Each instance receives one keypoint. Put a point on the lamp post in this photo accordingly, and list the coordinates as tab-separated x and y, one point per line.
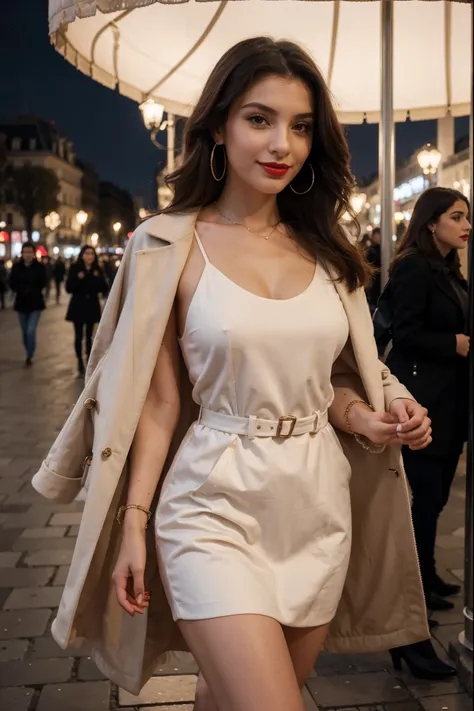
152	113
429	159
94	238
82	218
358	201
52	222
117	226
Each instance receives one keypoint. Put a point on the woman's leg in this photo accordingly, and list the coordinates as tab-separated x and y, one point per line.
425	476
89	336
246	663
305	645
78	331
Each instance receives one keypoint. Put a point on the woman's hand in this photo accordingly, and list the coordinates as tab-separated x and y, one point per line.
128	576
81	275
377	427
414	425
463	344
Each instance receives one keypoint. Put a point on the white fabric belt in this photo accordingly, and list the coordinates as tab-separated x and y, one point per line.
285	426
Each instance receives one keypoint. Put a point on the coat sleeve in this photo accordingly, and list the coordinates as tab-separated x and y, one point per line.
410	291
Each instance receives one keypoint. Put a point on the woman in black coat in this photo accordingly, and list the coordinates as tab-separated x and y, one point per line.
85	282
428	301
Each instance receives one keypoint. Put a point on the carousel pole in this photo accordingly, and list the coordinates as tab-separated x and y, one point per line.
466	637
386	138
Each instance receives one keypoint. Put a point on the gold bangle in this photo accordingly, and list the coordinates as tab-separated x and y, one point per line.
347	411
122	510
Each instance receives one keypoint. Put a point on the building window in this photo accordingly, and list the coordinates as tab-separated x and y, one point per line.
32	144
16	144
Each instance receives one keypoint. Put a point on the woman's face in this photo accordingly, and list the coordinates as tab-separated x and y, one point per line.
452	229
268	135
88	257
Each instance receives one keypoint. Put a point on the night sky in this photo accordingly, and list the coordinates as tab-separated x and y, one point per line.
106	128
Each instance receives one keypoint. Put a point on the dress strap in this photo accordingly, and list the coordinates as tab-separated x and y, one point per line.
201	247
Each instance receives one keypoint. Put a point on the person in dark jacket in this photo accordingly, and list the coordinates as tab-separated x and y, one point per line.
3	283
85	282
27	281
429	304
374	257
59	273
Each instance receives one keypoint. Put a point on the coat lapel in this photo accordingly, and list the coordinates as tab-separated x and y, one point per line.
361	334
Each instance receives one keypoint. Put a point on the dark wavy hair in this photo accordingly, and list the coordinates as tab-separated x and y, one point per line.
418	239
80	258
313	219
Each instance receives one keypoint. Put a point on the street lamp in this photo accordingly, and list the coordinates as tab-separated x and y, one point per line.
52	222
94	239
358	201
429	159
117	226
152	114
82	218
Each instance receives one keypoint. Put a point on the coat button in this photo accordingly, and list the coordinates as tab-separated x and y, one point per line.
90	403
106	453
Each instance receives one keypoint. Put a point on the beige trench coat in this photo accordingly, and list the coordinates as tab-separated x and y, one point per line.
382	605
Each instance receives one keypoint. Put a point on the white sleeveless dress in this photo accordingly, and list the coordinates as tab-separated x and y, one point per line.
258	525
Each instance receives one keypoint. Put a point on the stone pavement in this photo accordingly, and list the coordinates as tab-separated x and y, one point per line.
36	541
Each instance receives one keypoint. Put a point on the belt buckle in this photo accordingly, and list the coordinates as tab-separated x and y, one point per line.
281	420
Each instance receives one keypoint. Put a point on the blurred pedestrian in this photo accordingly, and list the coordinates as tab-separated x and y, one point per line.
27	280
85	282
49	276
59	273
3	282
374	257
428	302
109	269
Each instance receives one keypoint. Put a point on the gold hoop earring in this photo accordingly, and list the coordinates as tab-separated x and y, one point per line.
213	172
310	187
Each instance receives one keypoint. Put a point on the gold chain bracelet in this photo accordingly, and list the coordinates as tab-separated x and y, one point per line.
122	510
372	448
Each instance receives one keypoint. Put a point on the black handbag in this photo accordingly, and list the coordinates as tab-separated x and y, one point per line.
382	321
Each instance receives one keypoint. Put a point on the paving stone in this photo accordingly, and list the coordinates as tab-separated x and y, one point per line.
356	690
459	574
25	577
25	623
13	649
15	699
174	707
88	671
330	664
31	519
163	689
73	532
37	671
457	702
14	507
46	532
9	560
61	576
47	647
83	696
422	688
9	485
49	557
445	634
44	544
33	598
9	538
66	519
185	665
309	703
447	542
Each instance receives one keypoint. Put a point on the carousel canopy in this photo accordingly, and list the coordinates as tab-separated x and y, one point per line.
166	50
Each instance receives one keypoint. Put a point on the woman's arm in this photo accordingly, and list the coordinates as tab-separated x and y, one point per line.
409	289
72	283
155	429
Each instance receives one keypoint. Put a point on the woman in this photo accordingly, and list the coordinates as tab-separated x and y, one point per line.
428	301
85	282
250	275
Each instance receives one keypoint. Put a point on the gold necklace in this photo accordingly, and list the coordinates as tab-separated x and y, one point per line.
241	224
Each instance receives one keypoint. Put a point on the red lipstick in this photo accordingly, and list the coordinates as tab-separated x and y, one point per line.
278	170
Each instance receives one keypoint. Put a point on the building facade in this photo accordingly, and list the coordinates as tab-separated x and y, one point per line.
36	142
